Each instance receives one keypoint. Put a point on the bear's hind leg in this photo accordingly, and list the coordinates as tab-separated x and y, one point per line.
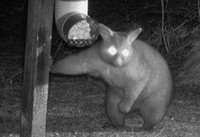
153	111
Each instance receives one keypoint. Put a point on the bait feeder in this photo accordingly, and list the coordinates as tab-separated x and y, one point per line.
73	24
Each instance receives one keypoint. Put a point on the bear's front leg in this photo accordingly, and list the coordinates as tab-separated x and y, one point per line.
112	101
131	93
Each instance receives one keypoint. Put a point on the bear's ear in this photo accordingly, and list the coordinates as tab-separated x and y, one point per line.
133	35
104	31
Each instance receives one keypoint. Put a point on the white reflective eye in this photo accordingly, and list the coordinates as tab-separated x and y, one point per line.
125	52
112	50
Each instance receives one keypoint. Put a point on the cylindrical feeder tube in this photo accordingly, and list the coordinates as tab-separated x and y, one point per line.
65	9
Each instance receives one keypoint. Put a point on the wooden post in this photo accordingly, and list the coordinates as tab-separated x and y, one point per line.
36	70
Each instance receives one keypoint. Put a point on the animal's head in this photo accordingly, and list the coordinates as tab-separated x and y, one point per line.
116	47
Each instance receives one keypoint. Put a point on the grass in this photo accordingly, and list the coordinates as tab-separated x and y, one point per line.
82	113
10	88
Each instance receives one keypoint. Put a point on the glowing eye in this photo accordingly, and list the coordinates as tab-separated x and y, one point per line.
112	50
125	52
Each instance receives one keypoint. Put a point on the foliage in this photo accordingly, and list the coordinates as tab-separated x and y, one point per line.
173	36
165	34
189	72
